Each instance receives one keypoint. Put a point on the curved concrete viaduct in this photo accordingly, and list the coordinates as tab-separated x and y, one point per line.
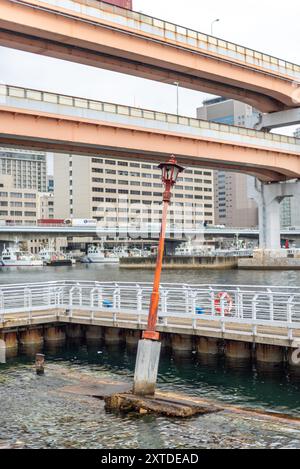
43	120
96	34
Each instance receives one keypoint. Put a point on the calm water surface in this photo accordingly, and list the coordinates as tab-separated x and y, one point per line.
114	273
38	413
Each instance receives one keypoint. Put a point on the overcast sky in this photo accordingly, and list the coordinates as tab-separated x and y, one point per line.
266	25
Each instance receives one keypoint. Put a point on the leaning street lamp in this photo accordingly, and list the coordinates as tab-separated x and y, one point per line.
148	354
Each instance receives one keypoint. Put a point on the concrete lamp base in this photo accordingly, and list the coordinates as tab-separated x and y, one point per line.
146	367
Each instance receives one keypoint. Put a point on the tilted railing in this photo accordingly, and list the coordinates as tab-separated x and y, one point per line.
245	305
180	36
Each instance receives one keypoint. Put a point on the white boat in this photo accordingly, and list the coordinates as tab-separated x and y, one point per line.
55	258
14	257
96	255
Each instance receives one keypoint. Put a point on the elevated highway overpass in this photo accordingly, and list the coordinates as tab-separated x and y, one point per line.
101	35
37	231
48	121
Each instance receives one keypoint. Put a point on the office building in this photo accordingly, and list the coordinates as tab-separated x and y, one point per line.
233	208
27	168
120	192
17	206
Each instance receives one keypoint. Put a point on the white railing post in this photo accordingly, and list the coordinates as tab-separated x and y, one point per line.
139	299
212	301
100	298
239	303
117	298
222	303
28	301
186	299
254	315
271	304
290	305
164	306
1	307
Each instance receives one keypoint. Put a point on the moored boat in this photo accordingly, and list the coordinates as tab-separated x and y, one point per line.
14	257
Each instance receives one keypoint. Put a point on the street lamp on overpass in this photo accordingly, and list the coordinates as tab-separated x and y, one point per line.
212	25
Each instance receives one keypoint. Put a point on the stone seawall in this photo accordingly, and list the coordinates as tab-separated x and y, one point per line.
270	260
179	262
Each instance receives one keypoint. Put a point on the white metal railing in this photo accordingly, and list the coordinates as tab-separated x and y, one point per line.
32	98
161	30
270	306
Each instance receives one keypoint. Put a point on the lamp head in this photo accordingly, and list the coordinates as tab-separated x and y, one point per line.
170	171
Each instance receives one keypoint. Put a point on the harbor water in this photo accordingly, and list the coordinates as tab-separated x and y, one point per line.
37	412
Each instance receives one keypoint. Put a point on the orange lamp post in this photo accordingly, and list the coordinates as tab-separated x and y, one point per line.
170	172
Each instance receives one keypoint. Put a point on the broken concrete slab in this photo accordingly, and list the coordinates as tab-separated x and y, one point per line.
128	402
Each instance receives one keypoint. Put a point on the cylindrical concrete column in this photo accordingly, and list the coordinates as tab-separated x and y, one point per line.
132	337
207	346
10	339
269	353
31	337
294	358
74	331
55	334
165	340
238	350
94	333
181	343
112	335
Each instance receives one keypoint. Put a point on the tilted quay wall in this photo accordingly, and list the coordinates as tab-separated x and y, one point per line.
242	322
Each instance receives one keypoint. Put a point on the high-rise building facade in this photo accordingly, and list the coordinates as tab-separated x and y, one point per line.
27	168
17	206
233	207
120	192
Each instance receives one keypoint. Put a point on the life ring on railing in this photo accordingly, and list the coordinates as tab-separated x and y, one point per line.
228	303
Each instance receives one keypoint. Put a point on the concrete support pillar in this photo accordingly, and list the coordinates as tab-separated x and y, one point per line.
238	350
132	337
94	333
56	334
269	353
207	346
31	337
74	331
165	340
10	339
146	368
113	335
294	358
2	351
182	343
268	198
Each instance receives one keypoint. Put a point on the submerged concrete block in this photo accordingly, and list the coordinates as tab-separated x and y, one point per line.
146	367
